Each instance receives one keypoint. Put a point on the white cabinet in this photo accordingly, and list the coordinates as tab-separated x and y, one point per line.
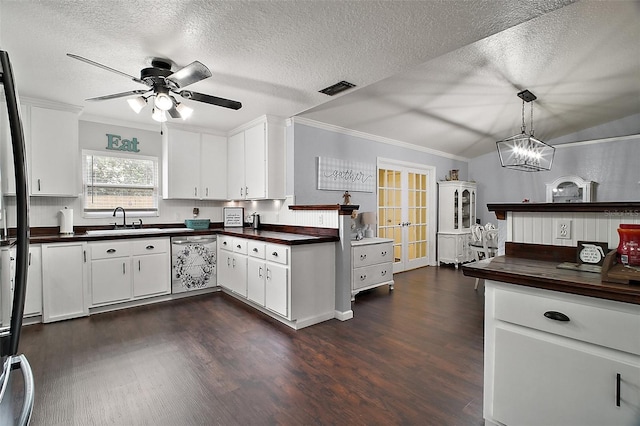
456	215
151	268
51	139
194	165
554	358
256	157
232	267
123	270
33	298
54	153
63	281
371	264
294	284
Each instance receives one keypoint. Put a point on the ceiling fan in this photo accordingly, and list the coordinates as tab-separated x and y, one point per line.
163	84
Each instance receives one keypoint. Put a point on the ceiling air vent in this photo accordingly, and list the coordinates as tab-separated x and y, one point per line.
337	88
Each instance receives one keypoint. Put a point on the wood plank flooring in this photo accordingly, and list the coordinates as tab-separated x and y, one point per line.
413	356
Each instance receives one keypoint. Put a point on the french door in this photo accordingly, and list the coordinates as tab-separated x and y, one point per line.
406	212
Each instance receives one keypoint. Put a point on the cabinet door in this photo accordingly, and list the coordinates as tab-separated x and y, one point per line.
33	299
238	282
213	169
6	146
182	164
63	281
54	153
151	275
110	280
539	382
277	289
256	273
235	164
255	146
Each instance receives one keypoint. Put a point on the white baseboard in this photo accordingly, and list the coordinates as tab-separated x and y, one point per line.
343	316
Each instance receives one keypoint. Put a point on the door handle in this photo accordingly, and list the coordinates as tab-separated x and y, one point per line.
111	251
557	316
149	247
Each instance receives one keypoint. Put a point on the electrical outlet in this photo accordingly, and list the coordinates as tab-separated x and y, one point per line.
563	229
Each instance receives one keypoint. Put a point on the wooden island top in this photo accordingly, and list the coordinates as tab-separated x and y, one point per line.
544	274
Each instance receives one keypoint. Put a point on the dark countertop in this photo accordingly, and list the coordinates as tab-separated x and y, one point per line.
545	275
287	238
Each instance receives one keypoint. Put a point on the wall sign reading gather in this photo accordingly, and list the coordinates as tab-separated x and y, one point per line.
116	143
344	175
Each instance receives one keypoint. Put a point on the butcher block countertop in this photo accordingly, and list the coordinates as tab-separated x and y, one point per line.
544	274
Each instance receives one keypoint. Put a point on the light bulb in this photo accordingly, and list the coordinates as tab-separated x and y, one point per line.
137	104
159	115
163	102
184	111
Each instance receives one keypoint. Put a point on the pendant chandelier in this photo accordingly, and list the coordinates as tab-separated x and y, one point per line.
522	151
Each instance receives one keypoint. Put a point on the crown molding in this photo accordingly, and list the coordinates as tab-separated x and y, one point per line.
375	138
43	103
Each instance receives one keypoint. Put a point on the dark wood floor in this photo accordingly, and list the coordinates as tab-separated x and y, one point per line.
412	356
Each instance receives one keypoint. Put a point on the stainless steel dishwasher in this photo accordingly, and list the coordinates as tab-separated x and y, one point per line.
193	263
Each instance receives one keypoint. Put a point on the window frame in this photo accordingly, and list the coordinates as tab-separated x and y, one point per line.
132	212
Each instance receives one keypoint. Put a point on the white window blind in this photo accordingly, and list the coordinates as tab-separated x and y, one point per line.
114	179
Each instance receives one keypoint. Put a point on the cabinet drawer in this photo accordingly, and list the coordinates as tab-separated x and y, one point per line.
225	242
372	254
371	275
151	246
256	249
239	245
606	326
110	249
277	254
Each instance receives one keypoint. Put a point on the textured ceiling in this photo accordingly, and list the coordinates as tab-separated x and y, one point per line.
439	74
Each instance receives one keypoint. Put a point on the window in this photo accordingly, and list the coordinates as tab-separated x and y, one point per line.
114	179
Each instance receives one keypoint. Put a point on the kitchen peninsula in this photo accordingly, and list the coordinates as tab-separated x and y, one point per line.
561	346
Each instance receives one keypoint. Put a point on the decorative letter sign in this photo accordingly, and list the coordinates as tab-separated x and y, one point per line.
343	175
116	143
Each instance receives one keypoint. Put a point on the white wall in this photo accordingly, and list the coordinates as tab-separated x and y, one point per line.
606	155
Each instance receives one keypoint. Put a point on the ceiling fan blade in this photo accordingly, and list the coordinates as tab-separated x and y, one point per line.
118	95
190	74
208	99
104	67
173	112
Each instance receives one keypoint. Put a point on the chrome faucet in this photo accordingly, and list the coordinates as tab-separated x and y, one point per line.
124	216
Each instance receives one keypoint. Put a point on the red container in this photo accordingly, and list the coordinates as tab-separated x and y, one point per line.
629	246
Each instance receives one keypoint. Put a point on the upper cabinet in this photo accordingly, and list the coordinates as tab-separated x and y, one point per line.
256	161
456	206
51	139
194	165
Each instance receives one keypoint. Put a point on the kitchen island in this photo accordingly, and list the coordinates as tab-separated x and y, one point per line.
561	346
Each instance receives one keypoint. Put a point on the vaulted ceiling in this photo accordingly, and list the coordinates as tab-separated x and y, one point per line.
442	75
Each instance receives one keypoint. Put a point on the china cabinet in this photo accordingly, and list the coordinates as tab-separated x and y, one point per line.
456	215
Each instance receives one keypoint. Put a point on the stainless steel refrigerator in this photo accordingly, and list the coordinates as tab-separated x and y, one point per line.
13	409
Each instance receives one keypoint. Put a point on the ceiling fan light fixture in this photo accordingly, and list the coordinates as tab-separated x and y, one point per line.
184	111
137	104
159	115
522	151
163	101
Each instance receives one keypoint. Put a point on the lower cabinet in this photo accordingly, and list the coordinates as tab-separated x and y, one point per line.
63	281
294	284
542	368
33	298
454	248
129	269
371	264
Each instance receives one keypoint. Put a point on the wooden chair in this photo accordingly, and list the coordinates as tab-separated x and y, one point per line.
487	249
476	245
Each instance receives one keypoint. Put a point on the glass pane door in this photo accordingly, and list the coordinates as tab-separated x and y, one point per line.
403	212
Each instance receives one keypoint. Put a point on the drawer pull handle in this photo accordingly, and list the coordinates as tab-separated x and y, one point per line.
556	316
239	246
383	254
111	251
363	277
383	273
274	254
255	250
363	256
149	247
618	380
224	243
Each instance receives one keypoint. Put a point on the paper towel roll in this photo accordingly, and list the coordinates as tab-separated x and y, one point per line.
66	221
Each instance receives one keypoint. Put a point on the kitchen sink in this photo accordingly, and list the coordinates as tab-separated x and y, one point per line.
134	231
